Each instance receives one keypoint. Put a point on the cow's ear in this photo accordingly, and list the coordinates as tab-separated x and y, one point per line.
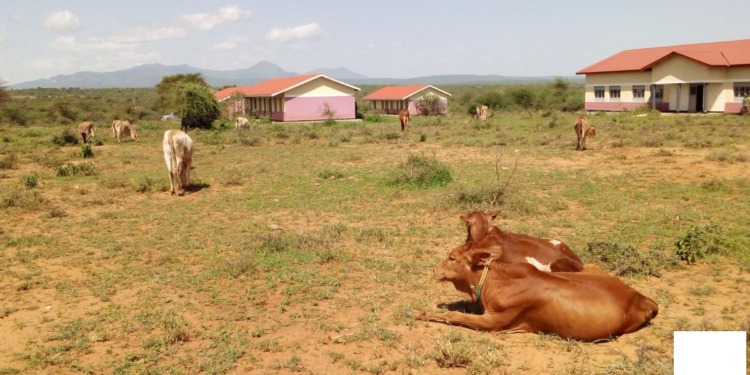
467	219
480	257
493	214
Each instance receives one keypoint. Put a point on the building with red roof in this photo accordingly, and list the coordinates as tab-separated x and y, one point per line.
704	77
392	99
299	98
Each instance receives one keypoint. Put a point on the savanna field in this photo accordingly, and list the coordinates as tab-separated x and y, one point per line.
298	247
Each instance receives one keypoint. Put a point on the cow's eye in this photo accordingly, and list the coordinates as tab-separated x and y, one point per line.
451	258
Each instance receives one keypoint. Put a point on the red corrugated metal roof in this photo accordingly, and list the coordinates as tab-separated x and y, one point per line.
399	92
274	86
732	53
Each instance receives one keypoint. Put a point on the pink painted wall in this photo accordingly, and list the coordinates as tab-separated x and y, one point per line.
615	106
234	107
310	108
732	107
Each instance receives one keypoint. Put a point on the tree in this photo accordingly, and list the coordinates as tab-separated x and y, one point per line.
196	101
4	94
167	90
430	104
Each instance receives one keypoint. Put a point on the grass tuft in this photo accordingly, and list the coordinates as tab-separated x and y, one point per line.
421	172
626	260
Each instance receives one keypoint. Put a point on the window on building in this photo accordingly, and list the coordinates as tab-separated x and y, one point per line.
599	93
741	90
614	93
639	92
658	94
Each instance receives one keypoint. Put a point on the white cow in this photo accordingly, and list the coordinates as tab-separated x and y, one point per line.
241	122
178	153
123	127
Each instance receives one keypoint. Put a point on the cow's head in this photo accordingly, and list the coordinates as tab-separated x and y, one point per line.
478	224
591	132
464	266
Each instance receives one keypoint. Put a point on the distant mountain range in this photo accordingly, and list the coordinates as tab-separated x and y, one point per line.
149	75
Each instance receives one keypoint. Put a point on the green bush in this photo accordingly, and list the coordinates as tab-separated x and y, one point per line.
422	137
87	151
331	173
626	260
699	242
66	137
30	181
421	172
373	117
265	120
392	135
22	198
10	161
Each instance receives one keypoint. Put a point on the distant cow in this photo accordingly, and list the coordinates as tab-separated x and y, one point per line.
545	254
583	130
123	128
178	153
403	116
517	297
241	122
189	122
86	131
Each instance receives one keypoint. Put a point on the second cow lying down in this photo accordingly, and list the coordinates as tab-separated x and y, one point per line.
521	298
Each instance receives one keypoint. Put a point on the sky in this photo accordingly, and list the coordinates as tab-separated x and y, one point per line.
383	39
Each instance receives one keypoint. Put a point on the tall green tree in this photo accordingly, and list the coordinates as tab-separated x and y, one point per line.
167	91
197	101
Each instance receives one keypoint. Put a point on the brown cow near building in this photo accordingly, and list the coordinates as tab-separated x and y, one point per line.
519	298
178	153
583	130
544	254
403	116
123	128
86	131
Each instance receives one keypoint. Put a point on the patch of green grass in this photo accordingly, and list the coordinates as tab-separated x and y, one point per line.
65	137
331	173
9	161
626	260
22	198
422	172
87	151
727	156
699	242
80	169
703	290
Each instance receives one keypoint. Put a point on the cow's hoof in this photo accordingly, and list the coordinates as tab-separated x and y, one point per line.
171	193
415	314
181	193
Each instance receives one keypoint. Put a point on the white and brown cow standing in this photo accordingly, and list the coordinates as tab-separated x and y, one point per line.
86	131
123	128
583	130
178	153
241	123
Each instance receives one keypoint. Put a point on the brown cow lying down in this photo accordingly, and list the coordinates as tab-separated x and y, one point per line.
86	131
123	128
544	254
520	298
178	153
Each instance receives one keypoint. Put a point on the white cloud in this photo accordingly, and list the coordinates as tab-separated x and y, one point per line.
289	34
230	43
150	35
19	18
63	20
3	37
71	44
205	21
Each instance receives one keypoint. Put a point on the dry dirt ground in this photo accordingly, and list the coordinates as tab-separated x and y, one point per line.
295	254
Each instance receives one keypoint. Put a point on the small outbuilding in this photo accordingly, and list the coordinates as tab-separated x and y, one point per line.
307	97
704	77
392	99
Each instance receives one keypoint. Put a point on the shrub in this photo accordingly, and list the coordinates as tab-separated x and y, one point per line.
699	242
430	104
87	151
30	181
421	172
331	173
453	350
56	213
66	137
392	135
82	169
373	117
22	198
626	260
113	182
727	156
10	161
422	137
265	120
240	265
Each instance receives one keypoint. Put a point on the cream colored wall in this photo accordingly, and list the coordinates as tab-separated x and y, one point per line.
589	94
626	94
320	87
605	79
429	90
679	69
715	97
739	73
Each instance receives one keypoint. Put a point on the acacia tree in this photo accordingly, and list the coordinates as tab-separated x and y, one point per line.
196	101
167	91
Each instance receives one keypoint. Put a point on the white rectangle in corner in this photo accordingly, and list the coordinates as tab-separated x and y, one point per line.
710	353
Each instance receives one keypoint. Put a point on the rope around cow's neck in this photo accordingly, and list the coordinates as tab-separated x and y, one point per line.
484	276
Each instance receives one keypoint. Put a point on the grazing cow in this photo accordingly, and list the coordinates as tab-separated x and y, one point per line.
123	128
583	130
544	254
520	298
189	122
86	131
178	153
403	116
241	122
